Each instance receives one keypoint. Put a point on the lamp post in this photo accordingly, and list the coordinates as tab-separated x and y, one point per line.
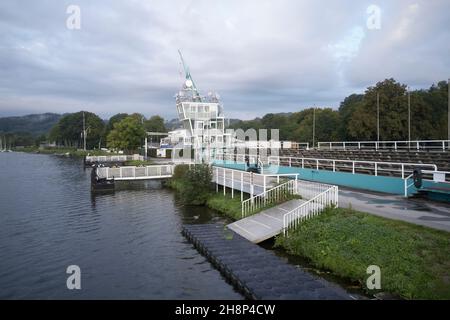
314	125
378	116
409	118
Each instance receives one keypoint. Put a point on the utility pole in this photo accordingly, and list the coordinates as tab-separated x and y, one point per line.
84	132
448	122
314	126
409	117
378	116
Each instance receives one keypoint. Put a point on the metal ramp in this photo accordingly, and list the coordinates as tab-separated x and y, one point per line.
266	224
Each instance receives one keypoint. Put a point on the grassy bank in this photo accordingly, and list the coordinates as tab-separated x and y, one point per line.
72	151
225	204
414	260
230	207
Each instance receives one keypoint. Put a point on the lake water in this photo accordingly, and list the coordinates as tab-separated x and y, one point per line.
128	244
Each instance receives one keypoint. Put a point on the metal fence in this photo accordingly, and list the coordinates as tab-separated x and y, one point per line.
396	145
136	173
310	208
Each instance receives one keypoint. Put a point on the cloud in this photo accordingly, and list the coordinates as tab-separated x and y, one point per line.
261	56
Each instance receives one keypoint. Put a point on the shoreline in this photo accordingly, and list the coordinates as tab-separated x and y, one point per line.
407	273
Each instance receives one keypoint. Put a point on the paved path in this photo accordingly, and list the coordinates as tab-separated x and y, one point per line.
256	272
417	211
264	225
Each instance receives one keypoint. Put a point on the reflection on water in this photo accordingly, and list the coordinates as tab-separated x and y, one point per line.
127	243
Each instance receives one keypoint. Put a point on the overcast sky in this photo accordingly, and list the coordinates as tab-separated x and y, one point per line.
260	56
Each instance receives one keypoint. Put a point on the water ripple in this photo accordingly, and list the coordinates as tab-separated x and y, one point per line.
127	244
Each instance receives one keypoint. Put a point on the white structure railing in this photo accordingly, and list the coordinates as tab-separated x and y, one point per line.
136	173
309	189
294	145
114	158
245	182
310	208
351	165
274	195
396	145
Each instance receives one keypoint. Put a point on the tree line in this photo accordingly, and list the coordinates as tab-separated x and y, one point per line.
121	132
356	118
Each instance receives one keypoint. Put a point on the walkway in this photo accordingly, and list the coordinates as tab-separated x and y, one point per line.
130	173
430	214
266	224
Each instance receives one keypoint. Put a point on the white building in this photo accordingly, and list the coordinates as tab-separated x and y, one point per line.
202	119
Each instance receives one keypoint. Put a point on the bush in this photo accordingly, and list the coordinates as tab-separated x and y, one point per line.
180	171
195	184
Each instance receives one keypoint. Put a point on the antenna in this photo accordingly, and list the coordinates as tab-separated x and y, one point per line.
189	81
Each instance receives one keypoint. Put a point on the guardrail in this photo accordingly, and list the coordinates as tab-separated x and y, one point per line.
294	145
354	165
136	173
117	158
396	145
273	195
310	208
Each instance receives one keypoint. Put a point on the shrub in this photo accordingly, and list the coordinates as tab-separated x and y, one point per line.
180	171
195	186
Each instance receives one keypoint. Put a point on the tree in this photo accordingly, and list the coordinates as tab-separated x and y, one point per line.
155	124
68	131
393	113
127	135
346	110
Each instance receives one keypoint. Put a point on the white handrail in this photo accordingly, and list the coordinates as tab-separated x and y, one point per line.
270	196
377	165
407	186
395	144
135	173
310	208
114	158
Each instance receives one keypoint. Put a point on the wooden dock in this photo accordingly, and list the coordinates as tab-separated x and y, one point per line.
256	272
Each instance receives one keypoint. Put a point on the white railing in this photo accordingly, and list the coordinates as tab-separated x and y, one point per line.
396	145
310	208
355	166
114	158
308	189
246	182
295	145
407	185
438	177
136	173
271	196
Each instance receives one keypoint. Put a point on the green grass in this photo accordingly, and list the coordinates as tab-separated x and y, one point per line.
414	260
72	151
226	205
138	163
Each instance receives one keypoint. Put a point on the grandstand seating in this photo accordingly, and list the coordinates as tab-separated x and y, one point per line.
440	158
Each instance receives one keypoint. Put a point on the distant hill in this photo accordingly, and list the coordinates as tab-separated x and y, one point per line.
34	124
